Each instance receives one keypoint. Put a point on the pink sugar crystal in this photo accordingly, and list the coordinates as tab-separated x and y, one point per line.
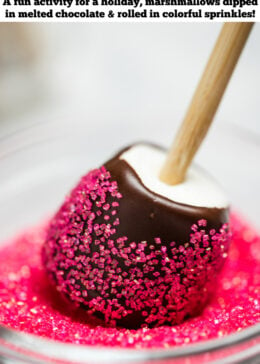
27	303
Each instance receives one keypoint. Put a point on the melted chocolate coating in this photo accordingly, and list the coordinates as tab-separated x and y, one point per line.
134	283
152	215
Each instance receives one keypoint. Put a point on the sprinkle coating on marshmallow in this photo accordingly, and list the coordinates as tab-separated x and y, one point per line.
117	277
198	189
29	304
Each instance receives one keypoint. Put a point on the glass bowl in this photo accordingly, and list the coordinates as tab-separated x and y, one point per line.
39	164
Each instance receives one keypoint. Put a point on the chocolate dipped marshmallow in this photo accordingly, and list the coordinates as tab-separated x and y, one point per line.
133	250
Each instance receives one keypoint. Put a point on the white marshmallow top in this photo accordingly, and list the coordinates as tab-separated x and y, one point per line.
198	189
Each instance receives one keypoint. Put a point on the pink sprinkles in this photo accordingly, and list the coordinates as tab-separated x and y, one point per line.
117	278
29	304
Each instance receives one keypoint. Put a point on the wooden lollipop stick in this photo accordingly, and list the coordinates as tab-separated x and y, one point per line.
205	101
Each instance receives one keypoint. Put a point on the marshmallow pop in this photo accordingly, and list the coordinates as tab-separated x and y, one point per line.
139	242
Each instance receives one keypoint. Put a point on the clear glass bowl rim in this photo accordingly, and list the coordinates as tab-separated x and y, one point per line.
30	348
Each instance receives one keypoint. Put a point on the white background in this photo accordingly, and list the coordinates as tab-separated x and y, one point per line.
138	78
